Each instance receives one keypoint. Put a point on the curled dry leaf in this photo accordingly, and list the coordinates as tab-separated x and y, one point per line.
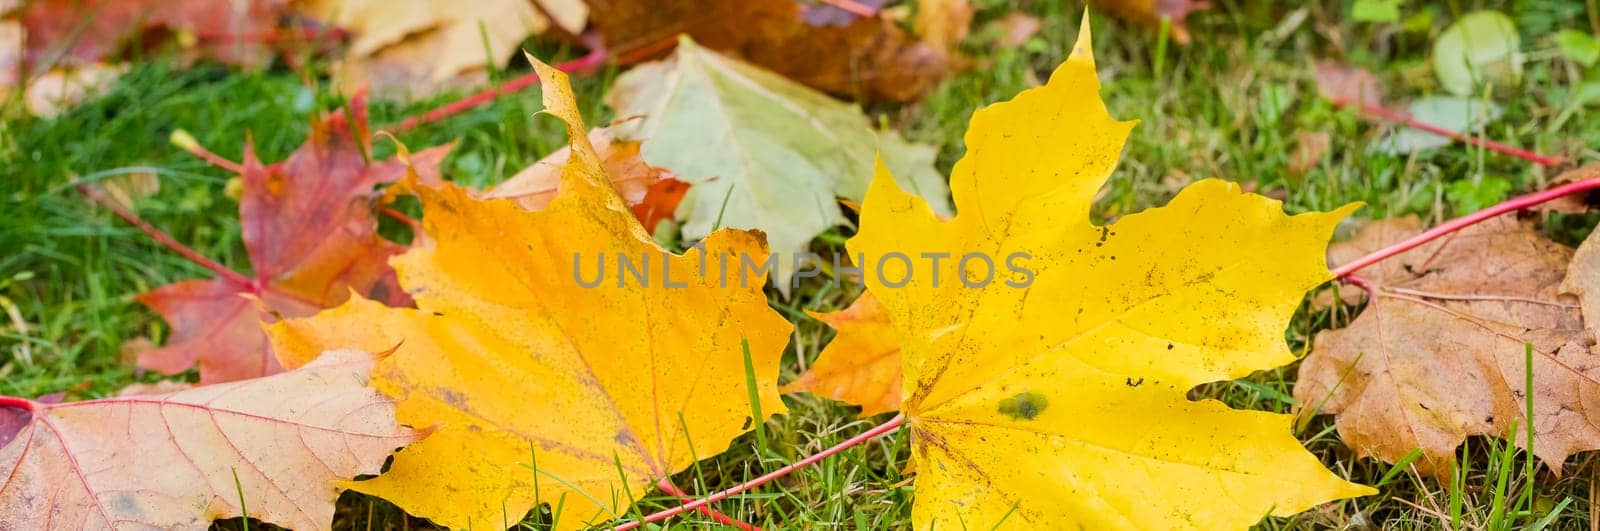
180	460
869	58
861	366
797	148
650	192
1309	148
1439	355
309	228
521	366
1151	13
406	47
1348	85
1030	397
1570	203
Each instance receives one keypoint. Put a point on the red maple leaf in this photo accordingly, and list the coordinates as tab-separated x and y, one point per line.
309	228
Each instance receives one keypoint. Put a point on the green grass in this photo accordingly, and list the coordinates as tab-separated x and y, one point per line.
1229	106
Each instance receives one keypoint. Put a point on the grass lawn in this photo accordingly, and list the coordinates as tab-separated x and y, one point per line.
1230	105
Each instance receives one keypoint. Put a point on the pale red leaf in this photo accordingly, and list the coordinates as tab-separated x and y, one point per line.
272	447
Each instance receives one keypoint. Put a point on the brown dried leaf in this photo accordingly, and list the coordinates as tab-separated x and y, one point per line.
1439	356
1309	148
1150	13
1348	85
81	32
824	47
1570	203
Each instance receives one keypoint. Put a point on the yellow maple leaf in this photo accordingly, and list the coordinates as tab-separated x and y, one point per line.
520	367
861	365
1054	397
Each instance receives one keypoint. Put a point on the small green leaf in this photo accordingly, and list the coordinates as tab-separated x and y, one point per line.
1481	47
1580	47
1470	196
1376	11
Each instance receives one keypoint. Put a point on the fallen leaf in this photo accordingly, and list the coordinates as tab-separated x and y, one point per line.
759	151
1439	356
942	24
180	460
1348	85
861	366
126	189
309	229
650	192
65	33
418	47
1583	272
1480	47
1570	203
1151	13
1309	148
868	58
1014	30
532	378
1054	394
51	93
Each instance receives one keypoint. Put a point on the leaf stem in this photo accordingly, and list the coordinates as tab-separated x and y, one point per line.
1381	113
666	486
892	425
166	240
183	140
1509	205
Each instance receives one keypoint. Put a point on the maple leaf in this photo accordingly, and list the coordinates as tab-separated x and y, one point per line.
1156	13
758	150
83	32
861	366
868	58
521	367
1348	85
1440	356
650	192
1032	396
409	47
183	459
309	230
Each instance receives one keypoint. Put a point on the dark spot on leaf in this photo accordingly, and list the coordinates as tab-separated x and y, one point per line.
1025	406
747	423
1135	383
1169	346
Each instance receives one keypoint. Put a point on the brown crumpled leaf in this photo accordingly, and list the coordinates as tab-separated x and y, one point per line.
274	445
405	48
1150	12
83	32
1439	355
1309	148
815	44
310	231
1348	85
650	192
1570	203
